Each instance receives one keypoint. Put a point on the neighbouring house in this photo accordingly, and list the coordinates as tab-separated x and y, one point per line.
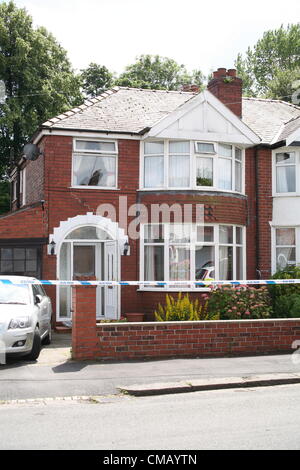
133	151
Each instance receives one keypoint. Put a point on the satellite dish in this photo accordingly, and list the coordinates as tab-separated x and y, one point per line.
31	152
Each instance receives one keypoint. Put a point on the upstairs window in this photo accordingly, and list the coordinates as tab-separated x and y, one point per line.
184	165
95	164
285	172
154	165
179	164
204	164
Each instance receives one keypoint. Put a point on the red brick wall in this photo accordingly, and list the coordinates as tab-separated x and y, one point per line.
24	223
197	339
174	339
217	208
265	205
35	181
250	184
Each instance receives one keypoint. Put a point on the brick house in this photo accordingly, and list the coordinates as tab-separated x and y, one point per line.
130	151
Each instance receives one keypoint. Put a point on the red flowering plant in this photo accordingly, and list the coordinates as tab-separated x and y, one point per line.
240	302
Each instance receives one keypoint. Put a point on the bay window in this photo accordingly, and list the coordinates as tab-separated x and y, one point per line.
225	167
179	164
192	165
95	164
154	165
187	252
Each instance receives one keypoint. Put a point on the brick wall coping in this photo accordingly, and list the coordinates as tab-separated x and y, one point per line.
201	322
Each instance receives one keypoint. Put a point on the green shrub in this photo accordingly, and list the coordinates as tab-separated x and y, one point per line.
183	309
240	302
286	297
287	306
291	272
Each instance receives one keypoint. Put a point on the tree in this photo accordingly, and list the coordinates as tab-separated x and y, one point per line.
38	77
96	79
155	72
4	197
271	67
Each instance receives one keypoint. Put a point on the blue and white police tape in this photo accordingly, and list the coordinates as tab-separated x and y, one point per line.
204	283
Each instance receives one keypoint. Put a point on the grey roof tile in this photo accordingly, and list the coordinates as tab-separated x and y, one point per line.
267	117
124	110
131	110
289	128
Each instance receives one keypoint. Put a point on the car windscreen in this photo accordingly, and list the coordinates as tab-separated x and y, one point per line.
14	294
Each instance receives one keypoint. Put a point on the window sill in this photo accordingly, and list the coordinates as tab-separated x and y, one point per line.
172	289
97	188
286	195
203	188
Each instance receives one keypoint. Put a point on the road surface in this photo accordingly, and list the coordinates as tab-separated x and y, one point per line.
262	418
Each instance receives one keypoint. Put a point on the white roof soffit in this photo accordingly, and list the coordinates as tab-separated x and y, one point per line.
206	118
293	137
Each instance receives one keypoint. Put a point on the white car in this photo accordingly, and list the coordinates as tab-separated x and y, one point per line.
25	317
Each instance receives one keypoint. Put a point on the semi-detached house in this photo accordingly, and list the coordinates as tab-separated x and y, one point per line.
115	158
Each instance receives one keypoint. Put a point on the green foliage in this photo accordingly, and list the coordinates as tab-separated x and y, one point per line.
290	272
183	309
96	79
271	67
4	197
158	73
38	77
202	181
287	306
286	297
240	302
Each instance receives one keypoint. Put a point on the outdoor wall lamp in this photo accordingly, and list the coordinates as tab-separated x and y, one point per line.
51	248
126	250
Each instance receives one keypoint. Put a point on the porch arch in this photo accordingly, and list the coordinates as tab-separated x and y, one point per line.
89	219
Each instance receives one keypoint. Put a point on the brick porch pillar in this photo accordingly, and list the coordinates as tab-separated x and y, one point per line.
84	336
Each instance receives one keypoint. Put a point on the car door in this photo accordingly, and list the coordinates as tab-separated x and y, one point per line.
43	309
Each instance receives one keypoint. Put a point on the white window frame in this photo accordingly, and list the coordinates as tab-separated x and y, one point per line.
14	189
79	152
296	151
193	161
274	245
192	244
23	186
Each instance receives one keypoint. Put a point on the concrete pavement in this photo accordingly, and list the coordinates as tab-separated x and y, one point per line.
56	375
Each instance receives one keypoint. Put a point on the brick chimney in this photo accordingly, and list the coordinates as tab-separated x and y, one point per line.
227	87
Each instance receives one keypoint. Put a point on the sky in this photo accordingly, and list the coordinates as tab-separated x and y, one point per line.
200	34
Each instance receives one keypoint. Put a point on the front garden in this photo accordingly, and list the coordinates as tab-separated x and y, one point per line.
237	302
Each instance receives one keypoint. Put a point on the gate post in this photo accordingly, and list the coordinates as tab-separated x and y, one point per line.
84	333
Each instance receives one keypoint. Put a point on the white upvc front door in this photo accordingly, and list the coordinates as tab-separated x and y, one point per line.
111	294
89	259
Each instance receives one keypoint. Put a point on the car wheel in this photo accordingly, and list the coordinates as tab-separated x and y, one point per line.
36	346
47	339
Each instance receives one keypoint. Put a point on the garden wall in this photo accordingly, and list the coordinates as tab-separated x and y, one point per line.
119	341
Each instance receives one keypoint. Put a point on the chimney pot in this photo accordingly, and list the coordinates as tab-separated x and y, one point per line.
221	72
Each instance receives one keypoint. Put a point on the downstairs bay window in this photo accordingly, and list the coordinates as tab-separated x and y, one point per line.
285	247
184	252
